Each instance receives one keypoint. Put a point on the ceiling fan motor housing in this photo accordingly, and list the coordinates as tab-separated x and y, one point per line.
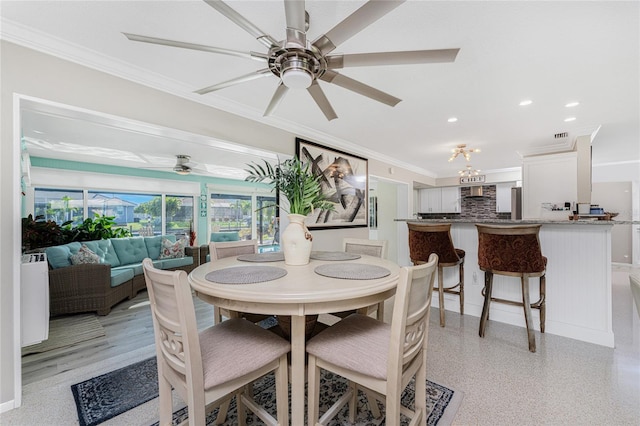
297	68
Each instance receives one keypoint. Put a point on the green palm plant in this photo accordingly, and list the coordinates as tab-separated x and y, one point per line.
293	179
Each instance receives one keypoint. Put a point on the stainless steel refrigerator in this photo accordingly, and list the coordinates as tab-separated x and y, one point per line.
516	203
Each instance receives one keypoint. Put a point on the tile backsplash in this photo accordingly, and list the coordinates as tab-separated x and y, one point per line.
473	208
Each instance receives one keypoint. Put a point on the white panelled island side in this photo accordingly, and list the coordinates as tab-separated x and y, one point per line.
578	299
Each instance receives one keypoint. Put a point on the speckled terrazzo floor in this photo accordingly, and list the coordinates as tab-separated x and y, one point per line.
566	382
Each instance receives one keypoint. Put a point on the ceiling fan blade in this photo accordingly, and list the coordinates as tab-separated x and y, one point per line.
392	58
354	23
194	46
242	79
242	22
318	95
360	88
278	96
296	23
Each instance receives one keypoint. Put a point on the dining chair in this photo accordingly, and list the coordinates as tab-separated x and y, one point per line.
634	282
427	238
209	367
376	248
381	357
513	251
220	250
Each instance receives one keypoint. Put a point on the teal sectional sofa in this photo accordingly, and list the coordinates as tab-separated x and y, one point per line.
104	272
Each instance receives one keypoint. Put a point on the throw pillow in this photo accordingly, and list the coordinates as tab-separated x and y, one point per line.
170	250
84	255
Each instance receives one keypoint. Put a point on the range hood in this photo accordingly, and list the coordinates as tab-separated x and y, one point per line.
475	193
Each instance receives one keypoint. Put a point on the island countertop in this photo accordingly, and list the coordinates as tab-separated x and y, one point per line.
524	221
579	301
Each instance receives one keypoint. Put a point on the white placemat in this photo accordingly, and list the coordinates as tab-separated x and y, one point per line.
352	271
334	255
246	274
272	256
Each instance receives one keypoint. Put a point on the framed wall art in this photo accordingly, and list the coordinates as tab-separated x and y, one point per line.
344	181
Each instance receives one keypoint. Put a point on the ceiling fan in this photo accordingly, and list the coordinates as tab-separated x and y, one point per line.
300	64
183	165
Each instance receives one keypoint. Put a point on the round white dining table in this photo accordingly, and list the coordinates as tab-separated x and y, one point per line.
300	292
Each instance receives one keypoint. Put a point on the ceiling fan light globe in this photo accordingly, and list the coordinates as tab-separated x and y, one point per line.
296	78
183	172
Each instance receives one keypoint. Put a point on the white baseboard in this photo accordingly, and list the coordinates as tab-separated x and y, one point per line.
7	406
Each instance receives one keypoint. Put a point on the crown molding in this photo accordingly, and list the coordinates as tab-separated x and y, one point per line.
45	43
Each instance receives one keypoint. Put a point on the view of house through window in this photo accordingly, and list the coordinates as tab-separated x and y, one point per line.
59	205
139	213
235	213
179	211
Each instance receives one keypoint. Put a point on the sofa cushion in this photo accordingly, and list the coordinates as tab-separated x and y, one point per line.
171	250
84	255
130	250
105	250
120	276
59	256
176	262
154	244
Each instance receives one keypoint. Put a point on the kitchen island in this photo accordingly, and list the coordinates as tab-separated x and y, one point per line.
578	299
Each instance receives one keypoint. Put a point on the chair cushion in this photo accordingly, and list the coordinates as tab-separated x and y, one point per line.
59	256
105	250
510	253
422	244
154	244
130	250
358	343
237	347
220	237
176	262
120	276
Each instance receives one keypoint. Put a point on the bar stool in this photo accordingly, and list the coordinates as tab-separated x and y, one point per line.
513	251
427	238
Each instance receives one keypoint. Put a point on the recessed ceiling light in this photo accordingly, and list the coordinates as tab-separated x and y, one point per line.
572	104
570	119
526	102
452	120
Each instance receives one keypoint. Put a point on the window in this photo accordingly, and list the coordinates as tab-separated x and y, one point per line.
267	221
59	205
236	213
140	213
231	213
179	213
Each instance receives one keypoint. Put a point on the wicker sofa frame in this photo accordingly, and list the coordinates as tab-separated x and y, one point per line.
87	287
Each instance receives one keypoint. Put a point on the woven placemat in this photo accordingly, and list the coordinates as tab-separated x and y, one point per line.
334	255
272	256
246	274
352	271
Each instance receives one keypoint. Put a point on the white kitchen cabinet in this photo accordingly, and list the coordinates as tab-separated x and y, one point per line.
440	200
450	199
503	197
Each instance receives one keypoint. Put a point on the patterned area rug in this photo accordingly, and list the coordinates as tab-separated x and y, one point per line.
104	397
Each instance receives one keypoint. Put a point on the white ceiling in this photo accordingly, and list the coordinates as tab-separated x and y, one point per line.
550	52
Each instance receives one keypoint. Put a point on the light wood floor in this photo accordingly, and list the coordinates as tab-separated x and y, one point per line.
127	327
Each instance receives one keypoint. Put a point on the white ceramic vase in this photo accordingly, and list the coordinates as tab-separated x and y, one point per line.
296	241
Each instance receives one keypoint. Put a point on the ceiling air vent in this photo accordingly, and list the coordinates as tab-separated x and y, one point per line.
561	135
